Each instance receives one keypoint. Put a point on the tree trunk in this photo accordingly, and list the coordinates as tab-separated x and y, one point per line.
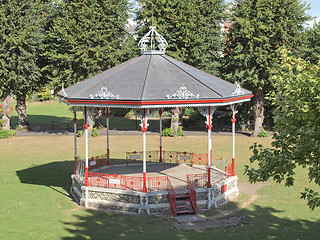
175	120
7	112
21	109
98	118
181	114
91	121
258	112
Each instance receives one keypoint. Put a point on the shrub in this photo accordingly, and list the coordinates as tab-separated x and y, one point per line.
95	132
43	95
180	132
168	132
263	133
79	133
6	133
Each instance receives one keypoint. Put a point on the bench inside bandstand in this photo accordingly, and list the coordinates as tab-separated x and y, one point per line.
178	183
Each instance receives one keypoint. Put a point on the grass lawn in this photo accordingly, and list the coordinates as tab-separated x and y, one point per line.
41	115
35	180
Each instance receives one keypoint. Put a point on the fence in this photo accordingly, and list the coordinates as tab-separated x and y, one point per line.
172	198
81	168
98	162
168	157
192	194
128	182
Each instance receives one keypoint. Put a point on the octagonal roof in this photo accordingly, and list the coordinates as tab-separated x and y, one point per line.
154	80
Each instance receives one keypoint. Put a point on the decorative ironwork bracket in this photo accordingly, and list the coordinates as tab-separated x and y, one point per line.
183	93
238	91
104	94
204	111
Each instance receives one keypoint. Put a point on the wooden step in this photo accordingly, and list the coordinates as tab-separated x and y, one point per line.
186	211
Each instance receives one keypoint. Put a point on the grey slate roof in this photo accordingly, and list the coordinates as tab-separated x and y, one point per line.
151	78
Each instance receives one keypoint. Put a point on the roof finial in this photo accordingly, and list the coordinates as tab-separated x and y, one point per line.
151	40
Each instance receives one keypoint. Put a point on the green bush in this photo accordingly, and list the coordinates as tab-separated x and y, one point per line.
168	132
263	133
79	133
180	132
189	112
6	133
43	95
95	132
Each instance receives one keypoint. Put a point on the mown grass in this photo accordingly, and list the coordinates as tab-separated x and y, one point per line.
41	115
35	180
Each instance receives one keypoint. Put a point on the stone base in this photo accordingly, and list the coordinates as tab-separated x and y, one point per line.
151	202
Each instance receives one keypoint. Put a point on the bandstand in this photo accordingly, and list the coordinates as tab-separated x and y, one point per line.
148	83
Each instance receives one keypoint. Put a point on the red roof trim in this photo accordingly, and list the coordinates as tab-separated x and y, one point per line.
142	103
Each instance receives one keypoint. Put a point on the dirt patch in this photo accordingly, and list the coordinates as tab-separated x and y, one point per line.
249	188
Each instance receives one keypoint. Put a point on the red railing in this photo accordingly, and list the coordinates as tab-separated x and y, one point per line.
97	162
172	198
199	159
128	182
192	194
198	180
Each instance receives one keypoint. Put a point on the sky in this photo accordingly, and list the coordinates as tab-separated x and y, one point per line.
315	9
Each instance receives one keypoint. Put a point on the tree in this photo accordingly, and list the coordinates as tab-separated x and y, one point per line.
21	45
87	37
296	132
308	48
259	29
192	29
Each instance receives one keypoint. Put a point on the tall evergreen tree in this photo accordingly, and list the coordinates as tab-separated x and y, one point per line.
259	29
21	45
308	47
192	29
87	37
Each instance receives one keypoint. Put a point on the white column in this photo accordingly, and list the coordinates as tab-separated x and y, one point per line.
144	125
160	113
233	120
87	155
75	139
108	147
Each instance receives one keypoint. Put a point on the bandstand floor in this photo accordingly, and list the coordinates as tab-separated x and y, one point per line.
176	173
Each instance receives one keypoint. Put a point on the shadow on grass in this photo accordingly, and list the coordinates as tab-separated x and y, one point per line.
260	223
54	174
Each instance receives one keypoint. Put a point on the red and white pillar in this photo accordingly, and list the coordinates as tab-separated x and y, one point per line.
75	139
208	114
86	126
144	125
160	113
107	125
233	120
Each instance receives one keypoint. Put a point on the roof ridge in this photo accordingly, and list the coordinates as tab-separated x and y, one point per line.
146	77
166	57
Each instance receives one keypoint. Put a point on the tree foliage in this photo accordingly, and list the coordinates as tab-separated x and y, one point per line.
308	47
21	45
296	137
259	29
192	29
87	37
22	35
